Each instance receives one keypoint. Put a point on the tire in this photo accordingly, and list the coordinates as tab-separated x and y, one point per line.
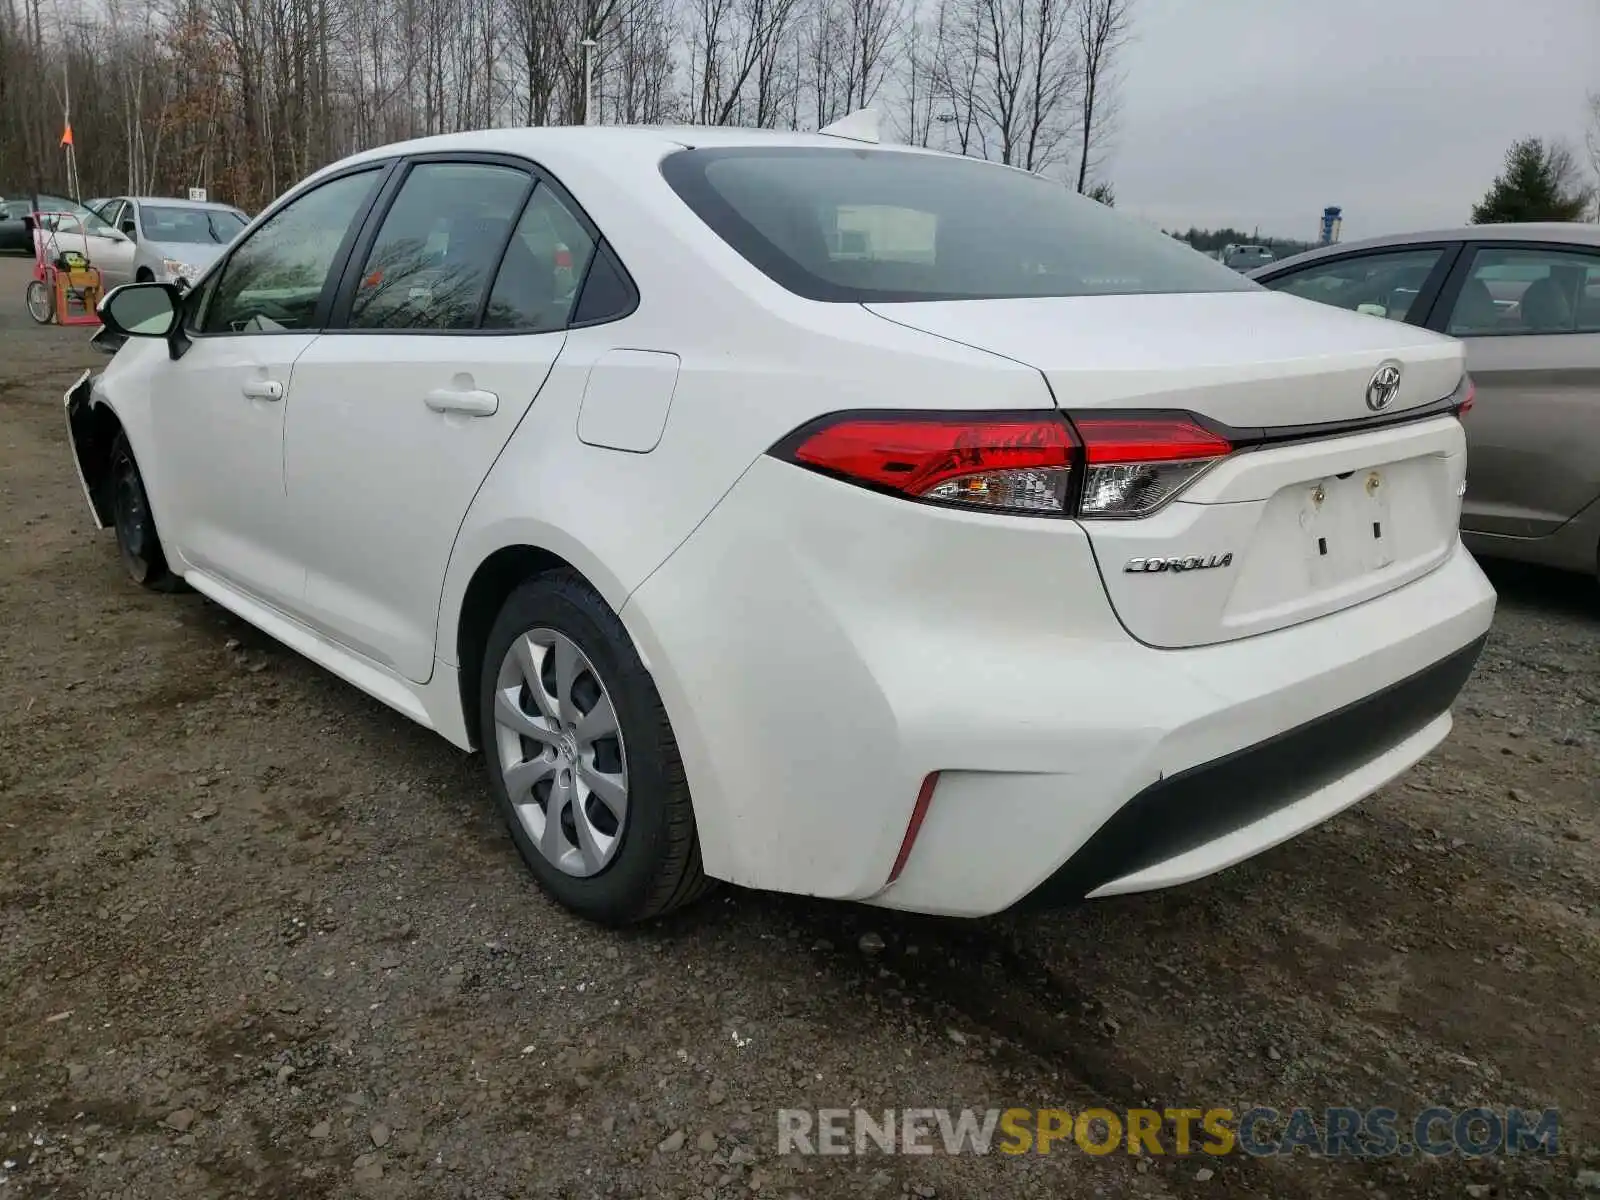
144	275
41	303
137	540
614	872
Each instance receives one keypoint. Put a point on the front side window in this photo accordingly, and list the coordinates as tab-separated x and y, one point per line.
1384	284
435	255
1532	291
275	278
885	225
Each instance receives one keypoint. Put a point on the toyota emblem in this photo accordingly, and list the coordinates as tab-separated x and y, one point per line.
1385	386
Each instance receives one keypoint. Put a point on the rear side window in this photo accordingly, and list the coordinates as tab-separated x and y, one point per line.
608	293
1536	290
883	225
545	261
436	252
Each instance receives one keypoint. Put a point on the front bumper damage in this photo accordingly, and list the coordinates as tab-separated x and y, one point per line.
84	438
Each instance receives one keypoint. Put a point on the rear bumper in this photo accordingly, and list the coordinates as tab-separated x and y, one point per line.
821	650
1179	826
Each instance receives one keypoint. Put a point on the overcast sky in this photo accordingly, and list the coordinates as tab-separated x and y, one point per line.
1261	112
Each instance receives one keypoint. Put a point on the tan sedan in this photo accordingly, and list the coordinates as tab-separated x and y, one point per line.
1526	300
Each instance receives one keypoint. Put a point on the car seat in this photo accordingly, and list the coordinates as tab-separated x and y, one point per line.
1476	311
1546	307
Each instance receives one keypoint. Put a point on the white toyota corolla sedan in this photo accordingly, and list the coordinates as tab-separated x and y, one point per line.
827	517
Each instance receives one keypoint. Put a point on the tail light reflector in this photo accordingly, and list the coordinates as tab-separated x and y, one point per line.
919	813
1136	464
1010	462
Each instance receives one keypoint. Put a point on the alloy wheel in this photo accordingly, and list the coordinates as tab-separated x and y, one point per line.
561	751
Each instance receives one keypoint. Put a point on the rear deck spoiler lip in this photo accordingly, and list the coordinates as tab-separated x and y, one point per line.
1247	436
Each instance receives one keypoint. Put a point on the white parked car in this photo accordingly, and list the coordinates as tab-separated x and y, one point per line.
1004	551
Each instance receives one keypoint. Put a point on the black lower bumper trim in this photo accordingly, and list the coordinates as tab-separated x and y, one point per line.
1193	807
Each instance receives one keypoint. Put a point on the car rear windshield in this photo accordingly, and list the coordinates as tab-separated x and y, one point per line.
882	225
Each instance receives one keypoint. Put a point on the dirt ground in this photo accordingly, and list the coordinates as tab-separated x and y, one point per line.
259	936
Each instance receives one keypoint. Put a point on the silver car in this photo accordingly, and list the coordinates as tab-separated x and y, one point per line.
1526	300
174	240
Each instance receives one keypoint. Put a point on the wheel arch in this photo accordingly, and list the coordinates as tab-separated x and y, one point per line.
94	427
498	573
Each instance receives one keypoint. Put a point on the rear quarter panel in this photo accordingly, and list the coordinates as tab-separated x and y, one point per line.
747	378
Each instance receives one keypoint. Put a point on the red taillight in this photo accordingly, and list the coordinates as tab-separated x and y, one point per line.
1137	463
1130	464
1465	406
1015	462
1114	439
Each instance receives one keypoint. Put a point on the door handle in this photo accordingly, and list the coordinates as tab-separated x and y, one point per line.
263	389
470	401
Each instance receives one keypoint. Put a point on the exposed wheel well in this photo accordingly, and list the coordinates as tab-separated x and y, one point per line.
145	275
94	430
495	579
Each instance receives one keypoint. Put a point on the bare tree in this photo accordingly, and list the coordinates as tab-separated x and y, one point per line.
1101	28
1053	78
1002	78
739	70
244	97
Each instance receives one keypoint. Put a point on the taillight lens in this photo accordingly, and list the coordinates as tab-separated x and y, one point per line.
1006	462
1136	464
1468	392
1130	464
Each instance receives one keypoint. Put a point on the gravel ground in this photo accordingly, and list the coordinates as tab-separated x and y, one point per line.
260	936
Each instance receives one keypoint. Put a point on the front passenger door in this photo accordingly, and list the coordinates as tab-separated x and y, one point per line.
218	411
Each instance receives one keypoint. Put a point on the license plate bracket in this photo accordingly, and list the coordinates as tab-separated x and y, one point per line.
1348	527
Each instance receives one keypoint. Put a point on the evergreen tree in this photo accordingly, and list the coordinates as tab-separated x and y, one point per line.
1104	193
1539	183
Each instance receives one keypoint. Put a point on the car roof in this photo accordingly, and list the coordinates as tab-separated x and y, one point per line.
179	202
600	142
1573	232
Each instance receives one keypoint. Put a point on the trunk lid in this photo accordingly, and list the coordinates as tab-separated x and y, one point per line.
1297	522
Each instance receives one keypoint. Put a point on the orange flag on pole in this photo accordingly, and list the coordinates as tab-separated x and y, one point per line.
66	136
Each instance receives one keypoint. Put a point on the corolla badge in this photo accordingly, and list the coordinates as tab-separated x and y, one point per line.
1384	386
1192	562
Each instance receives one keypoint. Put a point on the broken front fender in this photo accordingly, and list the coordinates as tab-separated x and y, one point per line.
91	445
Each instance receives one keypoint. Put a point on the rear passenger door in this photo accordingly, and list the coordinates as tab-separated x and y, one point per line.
450	317
1530	316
